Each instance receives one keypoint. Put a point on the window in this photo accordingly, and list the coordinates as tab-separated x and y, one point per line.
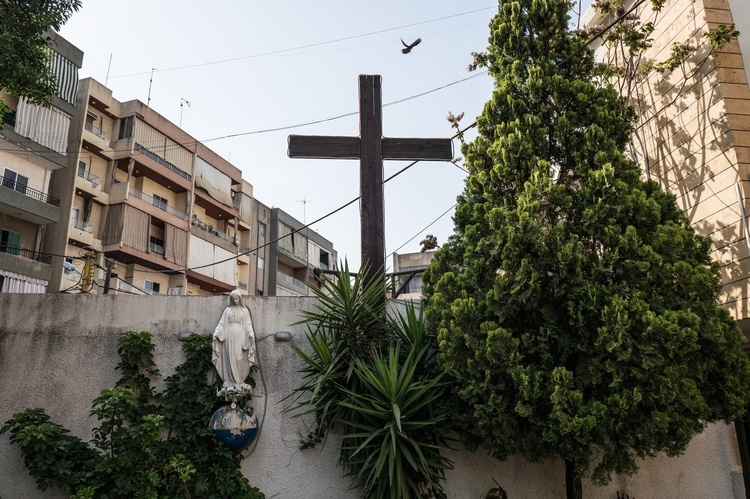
90	119
157	245
261	263
261	230
10	241
75	216
82	169
159	202
70	271
324	260
151	287
14	180
126	128
415	285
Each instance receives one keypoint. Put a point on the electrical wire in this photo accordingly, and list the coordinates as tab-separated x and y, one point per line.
423	229
193	142
303	227
300	47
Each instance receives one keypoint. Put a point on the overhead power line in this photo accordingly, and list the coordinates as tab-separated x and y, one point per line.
300	47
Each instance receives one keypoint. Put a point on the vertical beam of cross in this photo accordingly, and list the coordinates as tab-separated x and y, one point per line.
371	148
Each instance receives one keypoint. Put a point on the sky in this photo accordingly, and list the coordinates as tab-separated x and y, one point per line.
242	75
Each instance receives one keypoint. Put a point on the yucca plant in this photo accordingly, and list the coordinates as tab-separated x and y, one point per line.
377	377
349	321
392	439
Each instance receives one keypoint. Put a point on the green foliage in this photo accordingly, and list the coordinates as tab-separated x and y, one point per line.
576	309
132	457
721	35
25	53
377	378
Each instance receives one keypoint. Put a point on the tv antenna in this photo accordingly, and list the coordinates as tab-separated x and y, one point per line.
150	81
304	202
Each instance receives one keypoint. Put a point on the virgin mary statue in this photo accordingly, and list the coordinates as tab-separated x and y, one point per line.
234	345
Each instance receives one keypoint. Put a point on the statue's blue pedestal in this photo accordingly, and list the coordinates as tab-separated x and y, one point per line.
234	427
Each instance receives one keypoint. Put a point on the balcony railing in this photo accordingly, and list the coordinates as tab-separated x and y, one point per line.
291	280
162	161
150	200
210	229
156	248
25	253
95	130
88	176
80	224
32	193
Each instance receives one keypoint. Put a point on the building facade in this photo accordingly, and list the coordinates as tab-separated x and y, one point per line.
407	273
148	208
692	133
34	146
296	255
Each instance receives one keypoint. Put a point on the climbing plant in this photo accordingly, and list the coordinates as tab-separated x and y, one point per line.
147	444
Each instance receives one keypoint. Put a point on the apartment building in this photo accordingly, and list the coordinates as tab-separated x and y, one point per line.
408	269
154	209
259	252
693	128
34	146
296	255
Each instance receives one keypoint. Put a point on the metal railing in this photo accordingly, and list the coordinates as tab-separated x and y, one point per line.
88	176
197	222
80	224
25	253
95	130
291	280
150	200
156	248
163	162
32	193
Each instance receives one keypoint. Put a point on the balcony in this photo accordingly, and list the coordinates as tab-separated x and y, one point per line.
210	229
89	176
83	232
25	262
95	130
290	282
25	253
88	184
156	248
157	202
28	204
163	162
97	138
28	191
81	225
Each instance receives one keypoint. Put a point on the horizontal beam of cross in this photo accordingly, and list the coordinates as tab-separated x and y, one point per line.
326	147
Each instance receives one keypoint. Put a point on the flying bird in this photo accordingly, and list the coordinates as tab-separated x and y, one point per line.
407	48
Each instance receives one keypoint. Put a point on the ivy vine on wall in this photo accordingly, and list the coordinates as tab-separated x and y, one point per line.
148	444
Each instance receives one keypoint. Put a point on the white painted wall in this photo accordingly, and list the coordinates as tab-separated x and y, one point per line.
59	351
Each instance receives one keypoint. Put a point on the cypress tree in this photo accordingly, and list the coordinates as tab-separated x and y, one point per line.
576	309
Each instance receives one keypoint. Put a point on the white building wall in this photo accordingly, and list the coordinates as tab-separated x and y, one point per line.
59	351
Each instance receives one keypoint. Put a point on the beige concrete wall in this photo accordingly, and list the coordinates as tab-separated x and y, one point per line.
60	350
692	127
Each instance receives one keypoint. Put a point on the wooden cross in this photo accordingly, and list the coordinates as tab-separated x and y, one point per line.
371	148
